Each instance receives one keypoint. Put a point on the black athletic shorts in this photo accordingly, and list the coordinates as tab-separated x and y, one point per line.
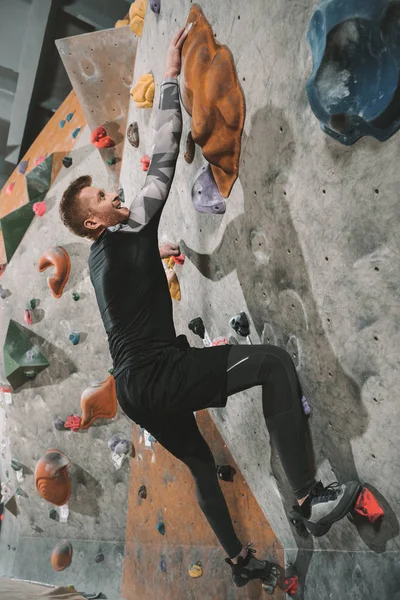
179	381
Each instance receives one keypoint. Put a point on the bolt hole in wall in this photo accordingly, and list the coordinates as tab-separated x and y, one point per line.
326	258
376	338
376	191
375	400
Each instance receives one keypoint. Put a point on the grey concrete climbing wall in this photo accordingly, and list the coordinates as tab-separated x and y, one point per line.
98	501
308	249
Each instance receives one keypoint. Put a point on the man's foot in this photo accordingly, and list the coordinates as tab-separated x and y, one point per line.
251	568
325	505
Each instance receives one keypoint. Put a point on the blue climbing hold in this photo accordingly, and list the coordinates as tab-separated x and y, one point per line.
75	132
74	338
62	123
163	565
160	527
354	86
69	117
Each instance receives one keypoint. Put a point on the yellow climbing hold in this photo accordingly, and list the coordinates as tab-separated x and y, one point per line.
122	23
196	569
137	12
173	283
143	91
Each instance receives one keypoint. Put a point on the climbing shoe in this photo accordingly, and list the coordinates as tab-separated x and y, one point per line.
324	506
251	568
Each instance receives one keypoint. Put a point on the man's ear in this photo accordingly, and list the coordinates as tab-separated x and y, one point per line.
92	222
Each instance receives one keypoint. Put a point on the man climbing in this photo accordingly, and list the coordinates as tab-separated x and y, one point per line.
160	381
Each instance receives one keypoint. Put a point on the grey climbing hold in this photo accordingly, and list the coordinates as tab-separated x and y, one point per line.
59	424
155	6
99	558
133	134
142	492
67	161
122	447
16	465
205	194
121	194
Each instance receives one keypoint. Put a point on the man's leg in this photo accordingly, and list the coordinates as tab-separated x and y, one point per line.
180	435
273	369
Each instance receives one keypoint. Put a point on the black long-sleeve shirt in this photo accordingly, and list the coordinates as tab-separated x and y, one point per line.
125	267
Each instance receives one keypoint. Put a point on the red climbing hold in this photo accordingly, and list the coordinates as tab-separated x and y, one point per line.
291	585
73	422
10	187
180	259
39	208
28	316
368	506
100	139
40	159
145	160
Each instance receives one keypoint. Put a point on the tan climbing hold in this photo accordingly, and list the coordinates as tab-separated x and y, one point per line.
173	283
196	570
143	91
213	97
58	258
52	479
99	402
137	13
122	23
61	555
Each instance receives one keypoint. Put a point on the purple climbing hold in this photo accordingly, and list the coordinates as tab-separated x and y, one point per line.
155	6
75	132
62	123
69	117
205	194
22	167
306	406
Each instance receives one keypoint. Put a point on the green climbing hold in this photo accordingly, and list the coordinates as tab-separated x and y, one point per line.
111	371
22	360
33	303
38	180
111	161
16	465
75	296
14	226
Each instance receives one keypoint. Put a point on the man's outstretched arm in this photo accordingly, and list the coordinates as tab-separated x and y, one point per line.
168	130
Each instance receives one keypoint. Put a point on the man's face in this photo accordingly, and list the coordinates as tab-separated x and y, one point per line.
104	209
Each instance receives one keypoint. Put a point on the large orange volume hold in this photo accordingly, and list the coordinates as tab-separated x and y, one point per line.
52	479
61	555
99	402
213	97
59	258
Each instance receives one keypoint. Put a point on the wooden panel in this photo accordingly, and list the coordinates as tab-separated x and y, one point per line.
52	139
188	537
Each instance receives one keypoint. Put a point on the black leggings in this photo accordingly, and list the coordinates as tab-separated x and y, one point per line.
248	366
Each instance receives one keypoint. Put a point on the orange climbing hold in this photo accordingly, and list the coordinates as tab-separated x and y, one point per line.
52	479
99	402
59	258
143	91
213	97
100	139
61	555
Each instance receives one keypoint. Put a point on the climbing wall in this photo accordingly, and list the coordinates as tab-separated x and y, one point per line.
99	492
158	564
57	139
307	247
100	66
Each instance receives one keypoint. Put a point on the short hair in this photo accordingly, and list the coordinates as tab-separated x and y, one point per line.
72	213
